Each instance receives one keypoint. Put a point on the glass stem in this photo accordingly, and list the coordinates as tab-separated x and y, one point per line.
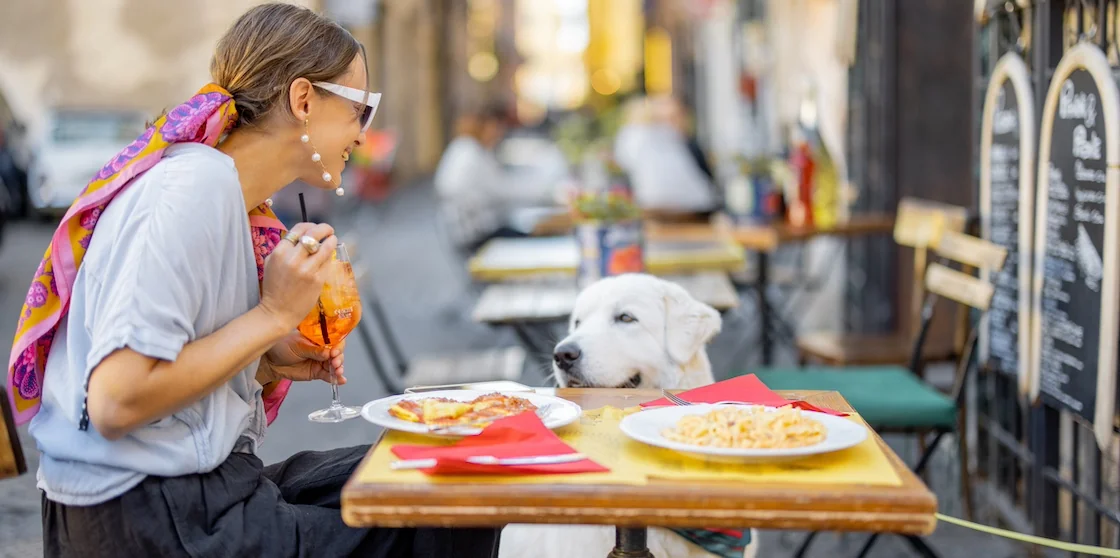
334	381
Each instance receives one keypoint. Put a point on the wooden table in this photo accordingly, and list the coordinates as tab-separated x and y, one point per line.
905	509
551	299
503	259
559	221
766	239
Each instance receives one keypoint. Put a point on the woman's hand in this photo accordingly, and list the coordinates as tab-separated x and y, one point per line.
298	359
293	278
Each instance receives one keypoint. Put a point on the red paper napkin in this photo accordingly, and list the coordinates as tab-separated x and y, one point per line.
748	389
521	435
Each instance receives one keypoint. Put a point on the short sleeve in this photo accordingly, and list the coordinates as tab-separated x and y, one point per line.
156	255
163	262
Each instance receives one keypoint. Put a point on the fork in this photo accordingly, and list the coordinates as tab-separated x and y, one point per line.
674	399
684	403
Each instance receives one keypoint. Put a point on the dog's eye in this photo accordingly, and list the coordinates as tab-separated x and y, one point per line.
625	318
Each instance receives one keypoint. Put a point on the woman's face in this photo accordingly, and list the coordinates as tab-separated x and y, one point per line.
334	128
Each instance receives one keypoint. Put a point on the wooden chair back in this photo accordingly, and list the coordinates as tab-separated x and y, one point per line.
941	281
919	224
12	462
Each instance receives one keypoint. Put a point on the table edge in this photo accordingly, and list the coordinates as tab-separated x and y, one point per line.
910	511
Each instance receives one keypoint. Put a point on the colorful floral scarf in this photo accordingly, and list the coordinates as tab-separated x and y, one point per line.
205	118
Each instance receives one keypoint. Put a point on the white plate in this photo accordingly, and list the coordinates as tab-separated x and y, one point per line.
562	412
647	427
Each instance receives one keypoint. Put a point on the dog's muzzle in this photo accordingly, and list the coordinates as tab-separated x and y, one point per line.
566	355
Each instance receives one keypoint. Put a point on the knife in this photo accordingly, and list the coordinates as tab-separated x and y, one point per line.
491	460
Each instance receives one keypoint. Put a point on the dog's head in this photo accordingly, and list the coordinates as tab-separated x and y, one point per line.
636	331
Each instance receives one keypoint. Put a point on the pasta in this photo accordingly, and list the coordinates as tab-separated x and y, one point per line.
752	427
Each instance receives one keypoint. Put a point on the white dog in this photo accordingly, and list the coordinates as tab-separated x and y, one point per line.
626	331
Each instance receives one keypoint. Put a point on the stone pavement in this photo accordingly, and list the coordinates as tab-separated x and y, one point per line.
422	287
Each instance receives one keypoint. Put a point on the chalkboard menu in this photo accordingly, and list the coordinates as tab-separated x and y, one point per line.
1075	280
1006	211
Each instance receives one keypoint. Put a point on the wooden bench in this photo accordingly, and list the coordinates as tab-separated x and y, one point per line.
12	462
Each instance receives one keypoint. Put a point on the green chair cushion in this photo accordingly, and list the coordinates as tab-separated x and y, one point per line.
885	396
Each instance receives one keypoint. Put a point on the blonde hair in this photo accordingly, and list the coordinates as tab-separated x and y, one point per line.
272	45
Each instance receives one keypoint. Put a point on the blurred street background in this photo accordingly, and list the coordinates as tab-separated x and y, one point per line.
878	92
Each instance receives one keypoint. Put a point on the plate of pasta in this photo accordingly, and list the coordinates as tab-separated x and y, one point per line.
743	433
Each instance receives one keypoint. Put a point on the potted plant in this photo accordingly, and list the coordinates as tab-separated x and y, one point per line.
608	229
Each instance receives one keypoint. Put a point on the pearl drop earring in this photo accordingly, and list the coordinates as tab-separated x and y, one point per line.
306	138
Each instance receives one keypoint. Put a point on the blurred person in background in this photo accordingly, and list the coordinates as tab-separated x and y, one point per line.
158	342
674	112
653	149
477	194
12	179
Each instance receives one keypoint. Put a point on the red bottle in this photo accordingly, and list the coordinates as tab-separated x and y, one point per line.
801	160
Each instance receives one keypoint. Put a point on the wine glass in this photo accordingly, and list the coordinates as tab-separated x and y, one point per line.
336	315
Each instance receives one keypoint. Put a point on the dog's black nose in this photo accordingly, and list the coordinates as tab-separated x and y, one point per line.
566	355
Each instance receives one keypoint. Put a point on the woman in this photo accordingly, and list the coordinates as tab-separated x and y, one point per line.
476	193
155	320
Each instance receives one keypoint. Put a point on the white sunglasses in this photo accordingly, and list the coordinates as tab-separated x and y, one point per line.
370	100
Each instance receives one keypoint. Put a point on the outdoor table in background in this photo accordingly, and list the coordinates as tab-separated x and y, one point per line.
502	259
766	239
530	306
906	508
558	220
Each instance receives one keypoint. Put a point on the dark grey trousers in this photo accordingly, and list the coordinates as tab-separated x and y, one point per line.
243	509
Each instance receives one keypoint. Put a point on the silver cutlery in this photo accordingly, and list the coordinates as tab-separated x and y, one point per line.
500	386
682	403
674	399
491	460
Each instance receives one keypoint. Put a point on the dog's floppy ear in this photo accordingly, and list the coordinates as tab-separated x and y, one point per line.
689	323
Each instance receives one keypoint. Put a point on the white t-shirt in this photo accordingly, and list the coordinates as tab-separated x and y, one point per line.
171	261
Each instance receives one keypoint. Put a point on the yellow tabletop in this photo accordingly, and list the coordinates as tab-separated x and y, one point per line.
866	488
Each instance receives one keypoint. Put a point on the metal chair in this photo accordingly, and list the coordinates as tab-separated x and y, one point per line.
914	406
12	462
396	371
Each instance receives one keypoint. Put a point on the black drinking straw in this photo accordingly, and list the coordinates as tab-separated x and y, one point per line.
322	313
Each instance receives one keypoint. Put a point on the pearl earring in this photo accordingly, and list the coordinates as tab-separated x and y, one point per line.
306	138
339	191
268	202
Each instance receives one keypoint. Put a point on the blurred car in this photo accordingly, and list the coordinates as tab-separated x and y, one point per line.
5	209
14	156
73	146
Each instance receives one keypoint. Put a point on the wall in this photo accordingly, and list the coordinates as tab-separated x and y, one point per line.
132	53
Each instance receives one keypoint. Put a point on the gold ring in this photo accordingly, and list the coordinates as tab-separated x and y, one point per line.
293	238
309	244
